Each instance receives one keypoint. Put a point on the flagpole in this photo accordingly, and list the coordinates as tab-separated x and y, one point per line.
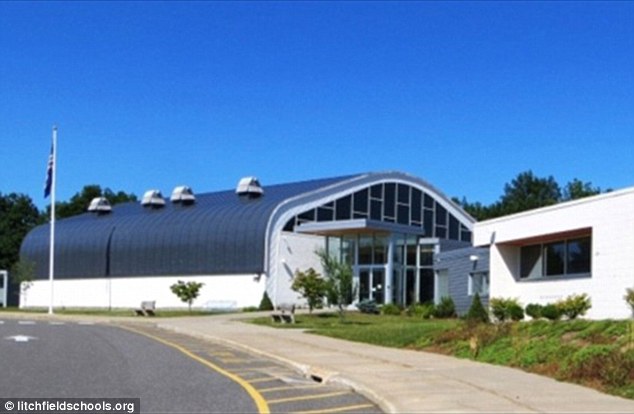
51	266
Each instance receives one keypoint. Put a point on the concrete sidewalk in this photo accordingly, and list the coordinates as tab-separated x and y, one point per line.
404	381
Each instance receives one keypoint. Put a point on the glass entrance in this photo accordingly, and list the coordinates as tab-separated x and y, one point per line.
372	284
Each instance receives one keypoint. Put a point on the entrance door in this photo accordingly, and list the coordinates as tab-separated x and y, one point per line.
365	282
372	284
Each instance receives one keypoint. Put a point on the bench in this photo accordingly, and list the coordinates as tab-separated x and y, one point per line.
284	314
147	308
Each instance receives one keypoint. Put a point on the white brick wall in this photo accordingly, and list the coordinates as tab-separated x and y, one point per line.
611	218
232	290
296	252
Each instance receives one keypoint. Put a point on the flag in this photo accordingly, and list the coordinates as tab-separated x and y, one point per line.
49	172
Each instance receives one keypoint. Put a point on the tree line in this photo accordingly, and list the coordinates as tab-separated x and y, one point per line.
527	192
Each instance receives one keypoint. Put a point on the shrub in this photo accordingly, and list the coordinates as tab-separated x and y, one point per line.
477	313
574	305
368	306
506	309
445	309
551	312
311	286
390	309
534	310
516	312
422	310
265	303
629	298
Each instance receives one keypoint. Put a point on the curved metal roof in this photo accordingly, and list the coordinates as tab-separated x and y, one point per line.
221	233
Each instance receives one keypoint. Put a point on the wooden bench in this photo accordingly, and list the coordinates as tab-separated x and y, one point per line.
147	308
284	314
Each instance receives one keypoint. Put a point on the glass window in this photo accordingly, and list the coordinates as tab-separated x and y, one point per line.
307	216
416	205
399	244
426	285
555	254
376	191
375	209
428	223
441	215
403	215
389	204
429	201
380	249
290	225
454	228
343	208
530	261
465	235
427	255
411	248
325	214
403	193
333	246
479	283
347	250
443	283
441	232
579	252
361	201
378	285
365	249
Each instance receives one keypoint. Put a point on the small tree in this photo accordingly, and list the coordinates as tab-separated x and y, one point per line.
311	286
339	285
477	313
574	305
265	303
187	291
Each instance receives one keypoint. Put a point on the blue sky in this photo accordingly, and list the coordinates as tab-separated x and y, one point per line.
465	95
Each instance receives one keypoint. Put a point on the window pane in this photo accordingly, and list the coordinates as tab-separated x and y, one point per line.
579	254
555	258
325	214
361	201
403	215
428	224
416	205
427	255
365	250
429	201
380	249
426	286
376	191
403	193
530	261
307	216
441	215
454	228
378	285
441	232
389	200
375	210
344	208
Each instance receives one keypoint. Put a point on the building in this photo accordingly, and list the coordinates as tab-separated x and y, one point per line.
583	246
389	226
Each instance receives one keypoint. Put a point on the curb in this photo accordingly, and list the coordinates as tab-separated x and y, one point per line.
316	373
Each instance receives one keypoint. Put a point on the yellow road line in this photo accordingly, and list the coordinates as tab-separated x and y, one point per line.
290	387
308	397
260	402
336	409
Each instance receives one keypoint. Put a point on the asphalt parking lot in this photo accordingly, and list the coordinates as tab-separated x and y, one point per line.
283	389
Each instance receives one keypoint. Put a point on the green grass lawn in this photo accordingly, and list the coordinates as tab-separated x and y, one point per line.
598	354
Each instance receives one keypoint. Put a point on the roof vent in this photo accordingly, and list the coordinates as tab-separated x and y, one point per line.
153	198
183	194
250	187
100	205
